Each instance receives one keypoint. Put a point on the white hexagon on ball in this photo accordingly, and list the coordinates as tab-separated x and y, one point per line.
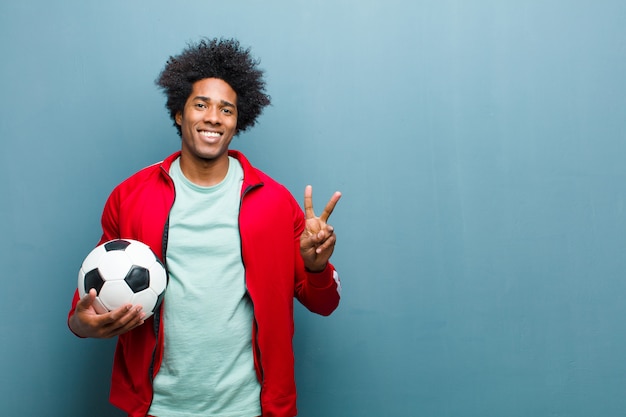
140	253
115	294
114	265
158	278
144	298
91	261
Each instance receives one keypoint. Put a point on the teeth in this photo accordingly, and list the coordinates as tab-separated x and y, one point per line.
211	134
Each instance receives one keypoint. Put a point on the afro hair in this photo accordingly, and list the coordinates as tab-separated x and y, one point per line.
225	59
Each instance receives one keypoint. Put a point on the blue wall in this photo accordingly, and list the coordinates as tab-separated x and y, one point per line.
480	147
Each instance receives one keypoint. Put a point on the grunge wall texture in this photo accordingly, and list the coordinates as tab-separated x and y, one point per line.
480	148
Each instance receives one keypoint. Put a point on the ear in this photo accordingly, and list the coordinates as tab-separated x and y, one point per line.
179	118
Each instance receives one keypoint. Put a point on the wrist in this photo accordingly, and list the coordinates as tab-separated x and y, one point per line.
316	269
74	325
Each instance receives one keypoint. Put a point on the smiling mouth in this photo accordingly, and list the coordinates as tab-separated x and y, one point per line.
208	134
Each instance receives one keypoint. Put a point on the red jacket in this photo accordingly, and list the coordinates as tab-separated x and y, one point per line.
270	224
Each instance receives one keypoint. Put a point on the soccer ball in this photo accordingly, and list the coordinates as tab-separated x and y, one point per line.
123	271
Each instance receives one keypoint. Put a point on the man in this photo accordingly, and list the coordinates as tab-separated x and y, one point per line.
237	248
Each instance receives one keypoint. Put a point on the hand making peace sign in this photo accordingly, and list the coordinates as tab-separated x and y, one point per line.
317	241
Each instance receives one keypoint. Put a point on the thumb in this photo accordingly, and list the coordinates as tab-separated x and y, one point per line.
88	300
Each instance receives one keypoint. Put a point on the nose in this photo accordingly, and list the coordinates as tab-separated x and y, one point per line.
212	115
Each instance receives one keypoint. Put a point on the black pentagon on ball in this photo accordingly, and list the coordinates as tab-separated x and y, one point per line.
119	244
93	279
138	278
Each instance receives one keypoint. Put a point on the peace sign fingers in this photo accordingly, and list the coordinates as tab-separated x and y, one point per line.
308	204
318	238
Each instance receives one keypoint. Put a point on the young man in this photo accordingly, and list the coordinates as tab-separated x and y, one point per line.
237	248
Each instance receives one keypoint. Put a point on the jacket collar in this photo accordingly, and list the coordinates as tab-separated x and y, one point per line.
250	175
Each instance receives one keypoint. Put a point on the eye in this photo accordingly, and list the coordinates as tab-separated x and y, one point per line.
227	110
200	105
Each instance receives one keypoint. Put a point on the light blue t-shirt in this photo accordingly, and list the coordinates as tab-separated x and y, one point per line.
208	367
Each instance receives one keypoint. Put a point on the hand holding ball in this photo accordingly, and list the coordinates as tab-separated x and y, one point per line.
123	271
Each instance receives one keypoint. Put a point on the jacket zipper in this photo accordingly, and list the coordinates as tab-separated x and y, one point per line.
256	352
157	315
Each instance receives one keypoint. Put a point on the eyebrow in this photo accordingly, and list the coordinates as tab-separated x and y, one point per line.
208	100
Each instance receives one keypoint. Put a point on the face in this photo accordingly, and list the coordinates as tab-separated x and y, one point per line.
208	121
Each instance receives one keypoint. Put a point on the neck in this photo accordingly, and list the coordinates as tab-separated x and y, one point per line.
204	172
